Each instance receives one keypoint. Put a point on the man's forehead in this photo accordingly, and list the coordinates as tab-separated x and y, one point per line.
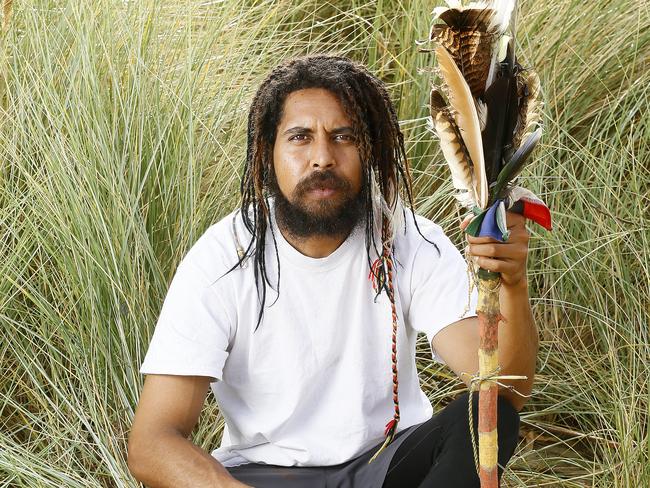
308	107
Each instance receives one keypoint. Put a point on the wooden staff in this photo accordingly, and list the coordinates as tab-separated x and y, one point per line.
488	312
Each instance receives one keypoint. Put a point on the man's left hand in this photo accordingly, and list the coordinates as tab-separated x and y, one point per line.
509	257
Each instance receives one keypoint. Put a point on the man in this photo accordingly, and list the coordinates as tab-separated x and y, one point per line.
322	380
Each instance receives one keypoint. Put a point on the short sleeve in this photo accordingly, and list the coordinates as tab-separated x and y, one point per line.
440	292
192	333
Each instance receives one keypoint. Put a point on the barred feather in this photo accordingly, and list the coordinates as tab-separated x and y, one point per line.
456	156
466	118
466	36
530	108
481	112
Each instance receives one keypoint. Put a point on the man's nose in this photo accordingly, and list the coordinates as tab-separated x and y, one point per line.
322	154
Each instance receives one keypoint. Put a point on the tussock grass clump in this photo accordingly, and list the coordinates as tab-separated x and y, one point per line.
122	139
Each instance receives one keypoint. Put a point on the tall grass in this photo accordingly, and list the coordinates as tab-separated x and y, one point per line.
122	137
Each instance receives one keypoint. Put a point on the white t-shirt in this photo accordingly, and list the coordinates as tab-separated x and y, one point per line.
313	385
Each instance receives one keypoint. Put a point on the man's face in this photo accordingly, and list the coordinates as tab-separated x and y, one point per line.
318	172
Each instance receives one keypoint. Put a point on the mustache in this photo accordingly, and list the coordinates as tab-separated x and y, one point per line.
322	179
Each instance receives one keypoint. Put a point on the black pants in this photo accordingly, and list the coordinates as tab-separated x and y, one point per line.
436	454
439	452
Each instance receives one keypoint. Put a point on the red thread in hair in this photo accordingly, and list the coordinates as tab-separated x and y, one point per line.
374	270
389	426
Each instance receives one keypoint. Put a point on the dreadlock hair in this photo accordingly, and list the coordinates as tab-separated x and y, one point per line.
380	144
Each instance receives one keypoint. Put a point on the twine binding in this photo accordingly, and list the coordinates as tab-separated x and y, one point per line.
475	384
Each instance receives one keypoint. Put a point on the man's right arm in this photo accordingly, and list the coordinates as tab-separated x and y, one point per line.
159	452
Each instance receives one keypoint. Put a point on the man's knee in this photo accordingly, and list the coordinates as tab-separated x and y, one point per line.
454	462
507	419
507	427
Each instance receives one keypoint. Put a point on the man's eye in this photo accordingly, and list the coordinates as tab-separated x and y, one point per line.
346	137
296	136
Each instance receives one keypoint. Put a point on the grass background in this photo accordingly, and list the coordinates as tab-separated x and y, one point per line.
122	138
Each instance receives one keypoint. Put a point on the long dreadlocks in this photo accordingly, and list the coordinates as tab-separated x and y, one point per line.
380	144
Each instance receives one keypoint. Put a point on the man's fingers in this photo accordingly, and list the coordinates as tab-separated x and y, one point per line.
507	258
499	250
503	266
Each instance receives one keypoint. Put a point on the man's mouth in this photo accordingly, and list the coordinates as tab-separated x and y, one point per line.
324	191
324	186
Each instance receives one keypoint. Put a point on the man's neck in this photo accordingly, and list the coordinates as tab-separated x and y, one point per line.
314	246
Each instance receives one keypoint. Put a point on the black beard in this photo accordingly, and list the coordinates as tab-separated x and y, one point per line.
334	217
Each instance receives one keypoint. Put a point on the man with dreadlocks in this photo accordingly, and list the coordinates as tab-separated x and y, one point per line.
301	311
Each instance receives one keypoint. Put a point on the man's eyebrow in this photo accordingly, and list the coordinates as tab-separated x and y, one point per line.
297	130
307	130
343	130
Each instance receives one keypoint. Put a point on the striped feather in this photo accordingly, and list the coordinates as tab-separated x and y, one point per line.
456	156
467	35
530	109
466	118
453	149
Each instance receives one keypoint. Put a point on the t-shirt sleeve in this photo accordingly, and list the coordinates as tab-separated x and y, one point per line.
192	333
440	292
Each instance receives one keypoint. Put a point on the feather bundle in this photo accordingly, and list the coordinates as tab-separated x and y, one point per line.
490	123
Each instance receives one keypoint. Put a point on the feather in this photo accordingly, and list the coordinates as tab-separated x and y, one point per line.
450	4
501	100
467	37
453	148
481	112
530	108
437	103
382	209
467	18
455	154
517	163
466	118
503	12
500	21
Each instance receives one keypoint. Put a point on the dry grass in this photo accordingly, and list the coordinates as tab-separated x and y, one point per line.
122	138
